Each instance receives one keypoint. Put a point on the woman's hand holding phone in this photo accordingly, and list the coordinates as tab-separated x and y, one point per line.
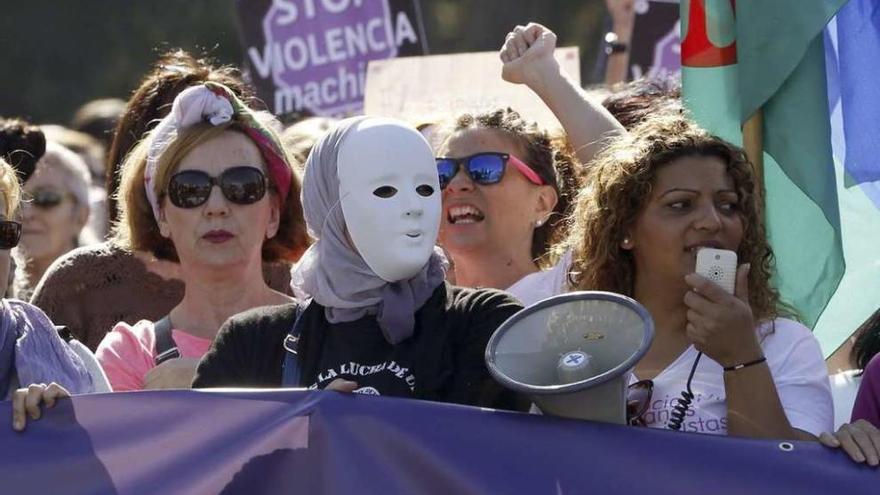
719	324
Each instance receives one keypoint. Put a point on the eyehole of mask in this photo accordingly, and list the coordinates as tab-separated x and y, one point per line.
385	192
425	190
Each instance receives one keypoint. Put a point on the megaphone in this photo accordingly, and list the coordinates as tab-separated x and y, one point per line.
573	354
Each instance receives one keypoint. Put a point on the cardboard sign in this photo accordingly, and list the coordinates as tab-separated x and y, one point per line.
309	57
437	87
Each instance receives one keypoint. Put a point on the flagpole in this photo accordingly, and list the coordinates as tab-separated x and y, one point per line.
753	143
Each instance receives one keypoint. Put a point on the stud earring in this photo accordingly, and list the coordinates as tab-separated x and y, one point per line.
627	242
538	223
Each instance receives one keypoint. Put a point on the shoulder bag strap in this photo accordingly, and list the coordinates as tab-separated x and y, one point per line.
291	375
165	347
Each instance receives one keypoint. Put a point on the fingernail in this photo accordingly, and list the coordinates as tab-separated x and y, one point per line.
860	458
18	424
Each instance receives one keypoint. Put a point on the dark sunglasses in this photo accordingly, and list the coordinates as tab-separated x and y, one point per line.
638	399
45	198
10	233
240	185
484	168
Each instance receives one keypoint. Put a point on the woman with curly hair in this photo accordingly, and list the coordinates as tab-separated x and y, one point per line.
507	184
655	197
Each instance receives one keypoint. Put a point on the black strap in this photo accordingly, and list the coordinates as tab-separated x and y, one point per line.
740	366
291	374
64	333
165	347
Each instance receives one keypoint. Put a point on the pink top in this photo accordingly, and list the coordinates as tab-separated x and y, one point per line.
127	353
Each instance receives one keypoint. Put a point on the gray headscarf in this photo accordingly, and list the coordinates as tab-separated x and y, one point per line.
333	273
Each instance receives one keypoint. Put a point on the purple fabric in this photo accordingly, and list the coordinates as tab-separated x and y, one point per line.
867	405
317	442
33	349
333	273
7	358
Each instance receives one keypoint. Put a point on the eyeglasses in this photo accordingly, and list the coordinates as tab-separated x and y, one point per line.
240	185
484	168
45	199
10	233
638	399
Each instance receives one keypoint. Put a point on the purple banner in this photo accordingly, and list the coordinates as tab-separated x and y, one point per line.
326	442
309	57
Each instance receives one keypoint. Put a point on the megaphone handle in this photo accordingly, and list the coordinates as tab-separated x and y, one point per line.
683	403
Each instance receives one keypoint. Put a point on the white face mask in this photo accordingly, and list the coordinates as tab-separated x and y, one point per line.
390	196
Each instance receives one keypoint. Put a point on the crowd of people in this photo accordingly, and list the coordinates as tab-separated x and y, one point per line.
354	256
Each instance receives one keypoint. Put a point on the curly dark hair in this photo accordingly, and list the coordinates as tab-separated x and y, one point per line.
21	146
620	182
552	159
632	102
175	71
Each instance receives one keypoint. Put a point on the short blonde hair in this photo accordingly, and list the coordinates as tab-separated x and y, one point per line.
9	188
138	229
299	138
74	168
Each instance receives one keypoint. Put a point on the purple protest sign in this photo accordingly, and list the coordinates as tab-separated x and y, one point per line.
655	48
667	55
310	56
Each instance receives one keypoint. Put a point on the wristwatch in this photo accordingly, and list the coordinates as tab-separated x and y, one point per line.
613	45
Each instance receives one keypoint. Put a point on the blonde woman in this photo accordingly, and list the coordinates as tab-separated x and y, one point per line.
31	351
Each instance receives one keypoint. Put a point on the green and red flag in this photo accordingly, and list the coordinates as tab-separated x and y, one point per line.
742	57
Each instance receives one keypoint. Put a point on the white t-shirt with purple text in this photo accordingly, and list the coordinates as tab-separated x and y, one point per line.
798	371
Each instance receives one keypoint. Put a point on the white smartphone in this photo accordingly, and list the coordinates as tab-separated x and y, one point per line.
719	266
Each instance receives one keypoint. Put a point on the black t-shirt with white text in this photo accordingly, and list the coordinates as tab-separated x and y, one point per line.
442	361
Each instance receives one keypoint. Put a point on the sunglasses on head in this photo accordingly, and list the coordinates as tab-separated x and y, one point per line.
484	168
45	198
10	233
240	185
638	399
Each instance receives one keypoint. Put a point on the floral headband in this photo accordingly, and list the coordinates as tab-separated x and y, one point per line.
215	103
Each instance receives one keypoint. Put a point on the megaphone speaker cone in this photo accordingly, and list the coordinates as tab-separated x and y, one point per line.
573	354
